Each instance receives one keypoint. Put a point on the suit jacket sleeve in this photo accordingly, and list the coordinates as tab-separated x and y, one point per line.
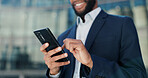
129	65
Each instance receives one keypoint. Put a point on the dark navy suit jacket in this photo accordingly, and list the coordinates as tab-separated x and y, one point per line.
114	47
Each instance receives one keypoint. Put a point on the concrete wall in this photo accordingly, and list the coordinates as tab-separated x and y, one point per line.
140	16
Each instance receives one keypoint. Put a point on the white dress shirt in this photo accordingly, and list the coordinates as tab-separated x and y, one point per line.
81	34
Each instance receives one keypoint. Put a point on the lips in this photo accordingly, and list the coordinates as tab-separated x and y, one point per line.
79	5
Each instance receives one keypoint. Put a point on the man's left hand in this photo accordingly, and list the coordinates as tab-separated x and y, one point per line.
77	48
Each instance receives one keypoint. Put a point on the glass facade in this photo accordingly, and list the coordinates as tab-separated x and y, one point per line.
19	48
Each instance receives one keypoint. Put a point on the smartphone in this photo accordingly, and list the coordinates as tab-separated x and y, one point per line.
45	36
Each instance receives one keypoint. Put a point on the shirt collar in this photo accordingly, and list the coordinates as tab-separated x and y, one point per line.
91	15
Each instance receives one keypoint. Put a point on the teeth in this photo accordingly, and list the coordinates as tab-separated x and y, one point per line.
79	4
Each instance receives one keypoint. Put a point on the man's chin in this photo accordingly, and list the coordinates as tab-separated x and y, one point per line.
80	14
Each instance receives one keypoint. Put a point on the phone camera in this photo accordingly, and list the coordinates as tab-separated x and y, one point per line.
40	36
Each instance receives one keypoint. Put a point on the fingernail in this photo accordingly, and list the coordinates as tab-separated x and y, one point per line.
68	61
46	44
65	55
59	49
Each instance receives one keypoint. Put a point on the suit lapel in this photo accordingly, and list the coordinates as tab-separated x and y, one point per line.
95	28
72	35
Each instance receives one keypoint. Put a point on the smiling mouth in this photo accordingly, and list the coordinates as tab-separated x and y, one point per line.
79	4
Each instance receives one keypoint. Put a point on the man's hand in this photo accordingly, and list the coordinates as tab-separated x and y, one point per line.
79	51
50	61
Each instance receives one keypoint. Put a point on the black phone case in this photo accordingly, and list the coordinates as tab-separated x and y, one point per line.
46	36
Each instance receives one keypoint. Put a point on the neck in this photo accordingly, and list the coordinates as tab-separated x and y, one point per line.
95	6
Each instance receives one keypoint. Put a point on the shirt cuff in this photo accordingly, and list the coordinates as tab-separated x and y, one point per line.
55	76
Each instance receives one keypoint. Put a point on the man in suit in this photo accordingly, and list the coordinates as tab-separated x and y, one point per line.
98	46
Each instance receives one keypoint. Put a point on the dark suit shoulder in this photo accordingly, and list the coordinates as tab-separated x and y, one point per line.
121	20
118	17
118	21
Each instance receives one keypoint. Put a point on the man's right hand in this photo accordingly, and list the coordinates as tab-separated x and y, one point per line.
50	61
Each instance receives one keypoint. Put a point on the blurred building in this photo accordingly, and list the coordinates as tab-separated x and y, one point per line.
19	48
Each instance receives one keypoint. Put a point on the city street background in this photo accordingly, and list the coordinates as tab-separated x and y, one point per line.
20	56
